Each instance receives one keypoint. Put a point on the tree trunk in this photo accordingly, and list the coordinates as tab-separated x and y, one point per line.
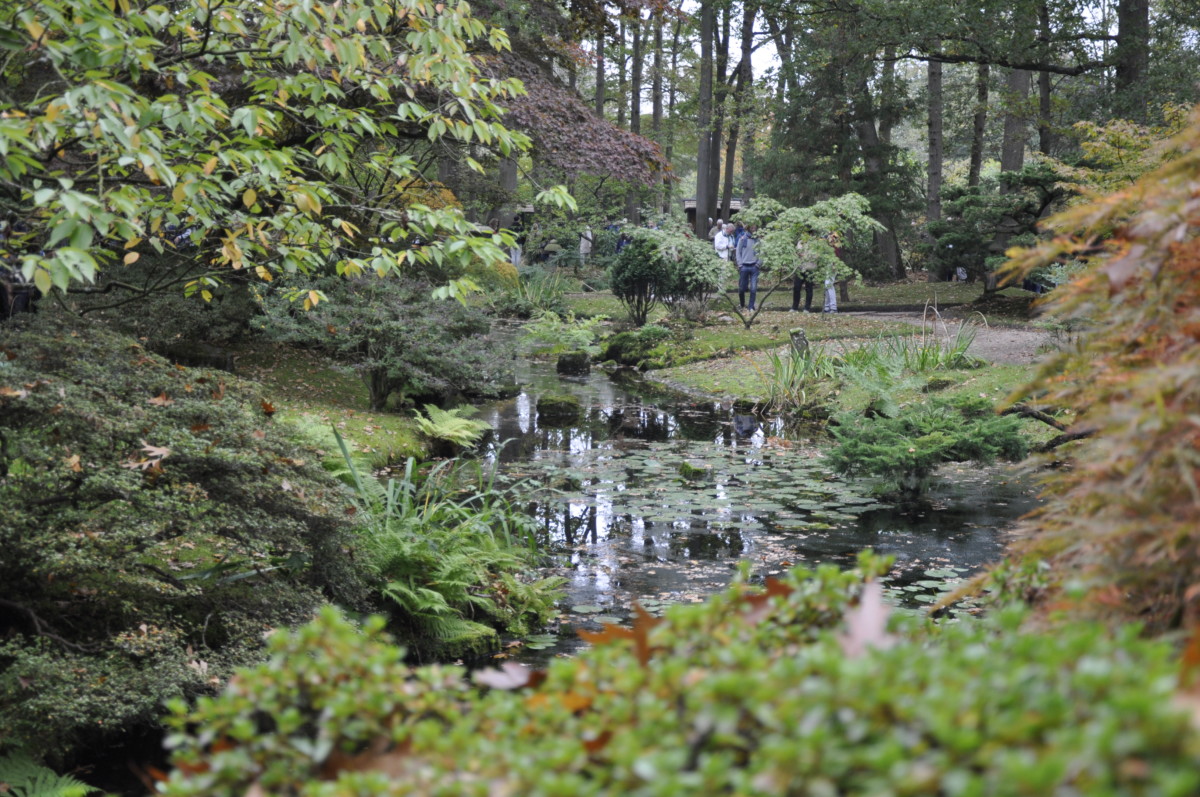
872	152
600	69
621	73
506	212
720	90
745	75
982	78
1133	46
1045	132
933	195
704	119
633	210
635	78
887	90
1012	151
668	183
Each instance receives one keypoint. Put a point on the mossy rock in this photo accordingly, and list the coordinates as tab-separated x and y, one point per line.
936	384
574	363
470	641
695	473
558	409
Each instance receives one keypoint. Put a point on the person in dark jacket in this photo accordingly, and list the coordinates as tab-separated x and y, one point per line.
748	266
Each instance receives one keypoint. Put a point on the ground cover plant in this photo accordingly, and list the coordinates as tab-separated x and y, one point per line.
157	520
447	548
839	703
314	392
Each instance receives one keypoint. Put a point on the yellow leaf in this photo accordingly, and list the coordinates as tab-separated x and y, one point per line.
36	29
307	304
211	165
132	242
250	197
179	194
314	297
206	295
41	278
263	273
131	258
302	203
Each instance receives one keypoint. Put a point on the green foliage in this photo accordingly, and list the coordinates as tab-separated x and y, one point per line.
281	156
905	450
453	426
157	520
795	238
450	547
551	334
393	333
636	275
665	266
635	347
535	291
797	382
21	776
973	217
796	691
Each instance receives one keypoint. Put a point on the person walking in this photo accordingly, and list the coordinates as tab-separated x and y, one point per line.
835	240
716	228
803	278
748	266
724	243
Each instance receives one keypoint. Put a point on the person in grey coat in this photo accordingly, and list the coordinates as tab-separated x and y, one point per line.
748	266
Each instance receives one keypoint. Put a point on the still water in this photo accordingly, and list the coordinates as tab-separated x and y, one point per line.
656	498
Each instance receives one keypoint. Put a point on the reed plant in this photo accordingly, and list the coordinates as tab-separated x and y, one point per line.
794	380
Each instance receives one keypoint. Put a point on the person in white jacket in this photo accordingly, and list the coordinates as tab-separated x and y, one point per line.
723	242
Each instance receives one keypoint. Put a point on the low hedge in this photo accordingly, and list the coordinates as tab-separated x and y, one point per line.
790	691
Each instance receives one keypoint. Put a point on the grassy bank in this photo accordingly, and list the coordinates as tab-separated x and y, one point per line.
311	390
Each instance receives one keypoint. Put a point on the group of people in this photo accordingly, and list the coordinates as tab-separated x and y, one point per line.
738	242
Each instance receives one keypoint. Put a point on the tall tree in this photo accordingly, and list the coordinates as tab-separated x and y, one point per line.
1012	151
1133	47
745	76
704	118
600	25
979	122
933	191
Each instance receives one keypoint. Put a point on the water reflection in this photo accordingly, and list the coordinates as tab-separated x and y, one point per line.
659	499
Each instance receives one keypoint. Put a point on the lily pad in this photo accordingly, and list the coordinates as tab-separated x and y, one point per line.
586	608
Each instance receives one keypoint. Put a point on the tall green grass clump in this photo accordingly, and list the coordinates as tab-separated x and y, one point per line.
449	547
795	381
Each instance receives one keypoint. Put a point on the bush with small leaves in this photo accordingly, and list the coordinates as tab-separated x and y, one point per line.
801	688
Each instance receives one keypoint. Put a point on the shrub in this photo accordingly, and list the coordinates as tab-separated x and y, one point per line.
400	339
1121	526
905	450
155	523
667	266
788	692
638	276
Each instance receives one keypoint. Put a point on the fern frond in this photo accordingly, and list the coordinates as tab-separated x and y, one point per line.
452	425
21	776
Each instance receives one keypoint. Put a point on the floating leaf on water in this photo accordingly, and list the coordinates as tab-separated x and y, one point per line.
942	572
586	608
607	618
540	641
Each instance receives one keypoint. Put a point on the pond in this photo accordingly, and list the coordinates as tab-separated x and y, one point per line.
658	498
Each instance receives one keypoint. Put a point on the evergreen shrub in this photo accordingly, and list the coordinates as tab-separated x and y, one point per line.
156	522
791	691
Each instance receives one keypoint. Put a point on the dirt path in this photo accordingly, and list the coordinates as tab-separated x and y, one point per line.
998	344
